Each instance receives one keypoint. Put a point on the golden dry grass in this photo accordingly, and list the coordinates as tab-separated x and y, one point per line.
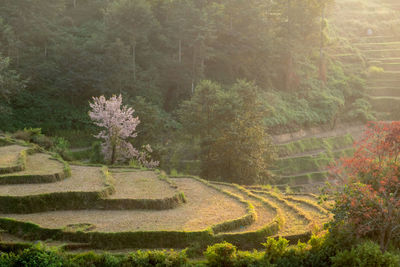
9	155
205	207
39	164
140	185
83	179
265	215
294	223
316	214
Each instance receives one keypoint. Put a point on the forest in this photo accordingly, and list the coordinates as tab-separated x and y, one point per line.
237	132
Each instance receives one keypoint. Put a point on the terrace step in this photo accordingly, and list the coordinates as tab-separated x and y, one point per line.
377	46
391	66
265	214
382	53
295	220
384	91
376	39
205	207
383	83
390	75
39	168
311	207
91	188
305	178
386	60
386	104
12	158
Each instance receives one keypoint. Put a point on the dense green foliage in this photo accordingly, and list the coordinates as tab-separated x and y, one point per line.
319	251
57	54
228	123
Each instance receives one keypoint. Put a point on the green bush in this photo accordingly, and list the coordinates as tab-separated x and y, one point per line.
90	259
96	156
275	249
37	256
158	258
27	134
34	135
365	255
61	146
222	254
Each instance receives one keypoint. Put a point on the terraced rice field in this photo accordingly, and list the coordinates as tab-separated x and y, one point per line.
307	161
208	213
380	48
205	207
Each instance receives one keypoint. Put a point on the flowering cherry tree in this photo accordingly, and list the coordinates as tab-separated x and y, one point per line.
118	126
369	201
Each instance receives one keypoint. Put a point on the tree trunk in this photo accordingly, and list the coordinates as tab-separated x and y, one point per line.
322	70
193	68
75	3
113	154
180	51
134	60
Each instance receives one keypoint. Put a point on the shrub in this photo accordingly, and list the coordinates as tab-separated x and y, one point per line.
275	249
366	254
34	135
96	155
158	258
222	254
38	256
375	69
27	134
61	146
92	259
43	141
